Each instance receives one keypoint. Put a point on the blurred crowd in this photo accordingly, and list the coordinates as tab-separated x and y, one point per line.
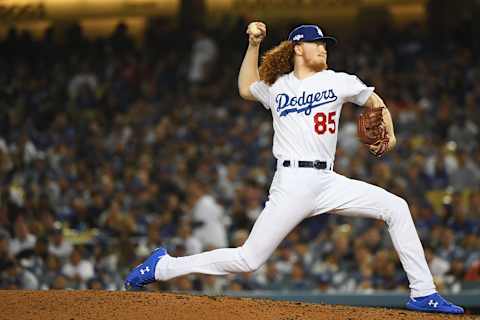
112	147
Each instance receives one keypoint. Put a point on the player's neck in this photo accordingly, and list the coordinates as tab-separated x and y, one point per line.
302	72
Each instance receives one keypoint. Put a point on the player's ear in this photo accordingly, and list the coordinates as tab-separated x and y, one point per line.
298	48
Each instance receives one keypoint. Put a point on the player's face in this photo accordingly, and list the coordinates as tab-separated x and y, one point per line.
315	55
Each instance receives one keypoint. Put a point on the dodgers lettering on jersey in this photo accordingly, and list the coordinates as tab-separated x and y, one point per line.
306	112
304	103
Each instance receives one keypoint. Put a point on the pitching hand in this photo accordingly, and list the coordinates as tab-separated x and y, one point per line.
256	32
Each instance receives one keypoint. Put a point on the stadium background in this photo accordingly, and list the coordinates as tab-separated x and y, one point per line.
121	129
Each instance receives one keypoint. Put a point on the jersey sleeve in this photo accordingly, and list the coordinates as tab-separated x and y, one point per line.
261	91
355	90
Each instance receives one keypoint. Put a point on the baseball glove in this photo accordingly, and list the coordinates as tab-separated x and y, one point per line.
372	132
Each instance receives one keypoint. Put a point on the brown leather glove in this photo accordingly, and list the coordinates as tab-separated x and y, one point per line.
372	132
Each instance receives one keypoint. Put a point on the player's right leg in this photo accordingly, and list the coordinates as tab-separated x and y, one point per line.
287	206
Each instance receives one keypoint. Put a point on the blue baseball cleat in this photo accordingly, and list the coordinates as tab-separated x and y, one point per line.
433	303
144	273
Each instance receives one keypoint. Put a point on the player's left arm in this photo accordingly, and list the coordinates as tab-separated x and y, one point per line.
374	101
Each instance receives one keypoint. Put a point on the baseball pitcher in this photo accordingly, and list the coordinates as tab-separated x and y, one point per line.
305	99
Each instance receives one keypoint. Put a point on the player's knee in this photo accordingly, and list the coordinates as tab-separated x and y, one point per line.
402	205
252	262
398	207
254	265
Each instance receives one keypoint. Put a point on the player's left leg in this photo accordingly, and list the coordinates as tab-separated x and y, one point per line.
289	203
351	197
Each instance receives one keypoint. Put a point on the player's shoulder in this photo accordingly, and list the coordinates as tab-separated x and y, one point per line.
340	74
344	77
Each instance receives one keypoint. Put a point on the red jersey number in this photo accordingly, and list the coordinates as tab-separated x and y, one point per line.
324	122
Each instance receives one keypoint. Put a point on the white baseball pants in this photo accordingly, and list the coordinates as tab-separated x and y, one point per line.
299	193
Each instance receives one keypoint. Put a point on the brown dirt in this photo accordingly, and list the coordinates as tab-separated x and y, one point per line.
76	305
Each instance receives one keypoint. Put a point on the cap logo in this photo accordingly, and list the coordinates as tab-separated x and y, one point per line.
319	31
298	37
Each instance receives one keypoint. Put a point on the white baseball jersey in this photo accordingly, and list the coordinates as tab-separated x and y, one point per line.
306	112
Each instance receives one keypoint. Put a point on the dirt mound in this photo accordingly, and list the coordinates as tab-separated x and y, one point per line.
79	305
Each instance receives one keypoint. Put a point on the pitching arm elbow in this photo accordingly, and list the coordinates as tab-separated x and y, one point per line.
374	101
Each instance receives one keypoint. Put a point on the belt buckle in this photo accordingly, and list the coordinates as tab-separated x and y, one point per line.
317	164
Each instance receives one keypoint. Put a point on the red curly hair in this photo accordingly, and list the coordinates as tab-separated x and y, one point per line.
276	62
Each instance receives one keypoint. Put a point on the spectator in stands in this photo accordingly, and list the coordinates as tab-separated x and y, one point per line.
16	277
117	221
297	279
447	247
464	176
36	258
212	285
273	279
204	53
78	269
152	240
60	282
58	245
456	274
4	245
208	216
438	266
22	239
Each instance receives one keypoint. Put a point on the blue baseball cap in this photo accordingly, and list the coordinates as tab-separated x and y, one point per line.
308	33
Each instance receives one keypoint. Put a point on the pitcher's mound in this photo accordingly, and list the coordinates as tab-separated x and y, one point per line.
81	305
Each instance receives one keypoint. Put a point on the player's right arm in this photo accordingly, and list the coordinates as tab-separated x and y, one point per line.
249	70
